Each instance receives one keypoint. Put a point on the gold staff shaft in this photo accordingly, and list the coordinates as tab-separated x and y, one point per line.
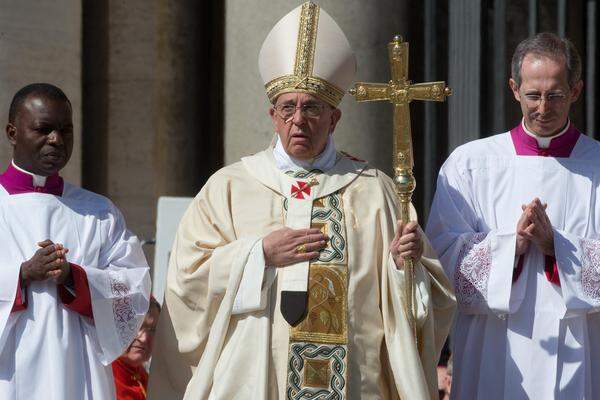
405	186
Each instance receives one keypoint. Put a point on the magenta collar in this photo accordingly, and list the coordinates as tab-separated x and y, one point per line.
18	182
561	146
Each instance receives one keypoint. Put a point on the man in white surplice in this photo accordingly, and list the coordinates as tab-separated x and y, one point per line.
74	283
516	226
285	278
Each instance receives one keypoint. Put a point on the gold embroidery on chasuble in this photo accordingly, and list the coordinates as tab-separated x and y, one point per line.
317	373
317	367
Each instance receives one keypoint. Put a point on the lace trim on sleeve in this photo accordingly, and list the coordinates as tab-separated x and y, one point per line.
590	269
123	311
473	271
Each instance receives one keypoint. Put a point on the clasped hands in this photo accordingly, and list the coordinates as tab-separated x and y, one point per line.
48	262
534	227
288	246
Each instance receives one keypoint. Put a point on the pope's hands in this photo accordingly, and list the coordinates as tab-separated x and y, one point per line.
534	226
288	246
407	243
48	262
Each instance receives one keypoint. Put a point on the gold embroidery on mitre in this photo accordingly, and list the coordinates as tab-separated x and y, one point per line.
309	84
307	40
302	79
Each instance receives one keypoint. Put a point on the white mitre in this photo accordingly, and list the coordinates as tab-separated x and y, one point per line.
306	51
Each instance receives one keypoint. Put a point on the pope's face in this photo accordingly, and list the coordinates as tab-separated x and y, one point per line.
42	135
303	134
544	94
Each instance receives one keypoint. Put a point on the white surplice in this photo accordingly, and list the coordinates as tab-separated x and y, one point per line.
48	351
530	339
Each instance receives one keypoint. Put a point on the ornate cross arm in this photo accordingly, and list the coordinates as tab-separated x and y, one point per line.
370	91
430	91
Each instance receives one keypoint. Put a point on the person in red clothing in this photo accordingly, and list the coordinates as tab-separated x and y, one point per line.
131	378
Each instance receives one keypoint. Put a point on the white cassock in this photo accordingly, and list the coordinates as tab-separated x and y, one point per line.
222	335
48	351
532	338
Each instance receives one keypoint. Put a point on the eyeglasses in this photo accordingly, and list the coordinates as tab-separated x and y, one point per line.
551	98
287	111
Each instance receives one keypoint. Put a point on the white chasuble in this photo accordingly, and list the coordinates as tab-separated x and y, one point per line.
48	351
355	342
528	339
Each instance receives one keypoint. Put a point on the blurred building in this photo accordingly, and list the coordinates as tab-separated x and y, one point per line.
166	92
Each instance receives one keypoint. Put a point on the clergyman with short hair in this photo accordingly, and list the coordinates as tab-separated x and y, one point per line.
74	282
516	222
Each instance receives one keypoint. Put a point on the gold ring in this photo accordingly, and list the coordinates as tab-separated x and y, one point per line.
301	249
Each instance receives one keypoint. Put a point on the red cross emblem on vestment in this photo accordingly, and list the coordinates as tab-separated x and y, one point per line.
302	189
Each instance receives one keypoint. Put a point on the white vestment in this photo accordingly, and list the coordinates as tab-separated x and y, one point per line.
222	336
530	339
48	351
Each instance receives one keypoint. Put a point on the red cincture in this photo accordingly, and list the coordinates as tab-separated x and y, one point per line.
302	189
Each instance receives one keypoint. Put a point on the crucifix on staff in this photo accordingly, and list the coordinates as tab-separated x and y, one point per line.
400	92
